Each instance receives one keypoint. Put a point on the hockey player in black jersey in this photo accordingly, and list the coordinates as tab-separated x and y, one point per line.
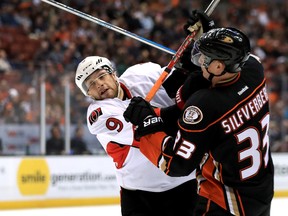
222	130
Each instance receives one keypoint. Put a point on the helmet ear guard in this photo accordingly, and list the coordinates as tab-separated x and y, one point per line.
237	67
87	67
225	44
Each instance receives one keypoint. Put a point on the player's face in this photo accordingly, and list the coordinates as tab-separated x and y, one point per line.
204	66
102	85
215	66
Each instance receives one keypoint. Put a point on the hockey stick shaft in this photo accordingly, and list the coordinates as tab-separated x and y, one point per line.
108	25
178	55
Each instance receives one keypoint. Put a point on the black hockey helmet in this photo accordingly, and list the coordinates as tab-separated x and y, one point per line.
226	44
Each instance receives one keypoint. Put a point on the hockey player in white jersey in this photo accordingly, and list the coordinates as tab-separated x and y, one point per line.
145	190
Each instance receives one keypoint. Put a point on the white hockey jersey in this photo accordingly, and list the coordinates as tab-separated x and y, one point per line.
105	120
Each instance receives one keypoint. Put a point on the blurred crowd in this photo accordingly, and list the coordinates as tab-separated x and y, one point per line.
40	43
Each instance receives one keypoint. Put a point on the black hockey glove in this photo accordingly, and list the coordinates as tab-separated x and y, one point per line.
206	23
141	114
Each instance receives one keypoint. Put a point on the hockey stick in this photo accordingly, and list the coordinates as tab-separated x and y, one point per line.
109	26
177	55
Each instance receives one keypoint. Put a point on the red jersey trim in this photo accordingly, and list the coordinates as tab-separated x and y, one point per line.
118	153
157	111
126	91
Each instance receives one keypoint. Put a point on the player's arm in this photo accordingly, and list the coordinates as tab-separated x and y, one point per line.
155	144
174	81
176	156
181	154
170	115
115	135
184	68
106	118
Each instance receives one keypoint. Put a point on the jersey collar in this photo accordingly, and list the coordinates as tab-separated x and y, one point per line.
229	82
127	94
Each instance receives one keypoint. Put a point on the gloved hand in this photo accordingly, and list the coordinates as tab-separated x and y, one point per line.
140	113
200	22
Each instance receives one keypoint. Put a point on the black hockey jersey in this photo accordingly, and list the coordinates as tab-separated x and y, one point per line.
224	133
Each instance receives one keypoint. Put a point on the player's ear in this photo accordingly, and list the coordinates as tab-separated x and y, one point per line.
219	66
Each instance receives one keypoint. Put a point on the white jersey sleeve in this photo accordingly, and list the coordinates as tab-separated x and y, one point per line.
106	121
140	78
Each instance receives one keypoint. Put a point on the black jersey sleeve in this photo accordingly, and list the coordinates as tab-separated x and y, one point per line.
193	83
184	153
170	116
174	81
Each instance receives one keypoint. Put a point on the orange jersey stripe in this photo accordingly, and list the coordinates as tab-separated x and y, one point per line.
213	189
151	146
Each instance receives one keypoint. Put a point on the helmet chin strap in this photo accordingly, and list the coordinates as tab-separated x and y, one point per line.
211	75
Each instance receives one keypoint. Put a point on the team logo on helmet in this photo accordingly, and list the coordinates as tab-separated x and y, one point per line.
95	115
192	115
227	39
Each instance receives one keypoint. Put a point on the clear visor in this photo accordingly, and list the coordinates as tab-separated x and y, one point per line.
198	58
195	54
101	76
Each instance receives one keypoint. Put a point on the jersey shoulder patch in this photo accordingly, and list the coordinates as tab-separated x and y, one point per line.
197	113
192	115
94	115
99	111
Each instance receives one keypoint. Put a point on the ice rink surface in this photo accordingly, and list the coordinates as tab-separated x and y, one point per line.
279	208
